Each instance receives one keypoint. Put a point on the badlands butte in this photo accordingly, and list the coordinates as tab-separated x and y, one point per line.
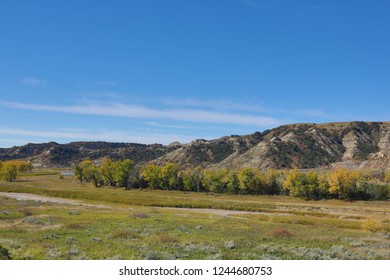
352	145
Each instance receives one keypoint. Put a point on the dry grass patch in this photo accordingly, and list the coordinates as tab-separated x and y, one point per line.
140	215
124	234
74	226
372	226
163	238
26	212
279	232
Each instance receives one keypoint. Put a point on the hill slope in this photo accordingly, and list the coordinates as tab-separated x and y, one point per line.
355	145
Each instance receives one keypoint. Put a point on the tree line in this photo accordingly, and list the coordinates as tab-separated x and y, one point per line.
9	170
339	184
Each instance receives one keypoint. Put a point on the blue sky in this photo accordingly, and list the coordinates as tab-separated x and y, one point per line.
152	71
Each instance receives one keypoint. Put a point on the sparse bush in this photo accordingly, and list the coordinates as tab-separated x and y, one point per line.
32	220
96	239
74	226
9	171
279	232
124	234
53	254
4	254
141	215
309	253
26	212
50	236
163	238
230	244
372	226
150	256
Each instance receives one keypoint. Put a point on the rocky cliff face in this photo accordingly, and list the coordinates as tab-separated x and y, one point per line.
354	145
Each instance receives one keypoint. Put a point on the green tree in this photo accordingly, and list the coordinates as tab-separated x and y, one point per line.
387	177
307	185
272	183
293	182
78	173
343	184
150	174
92	173
192	179
23	166
168	177
215	180
250	180
9	171
232	182
124	173
107	171
87	171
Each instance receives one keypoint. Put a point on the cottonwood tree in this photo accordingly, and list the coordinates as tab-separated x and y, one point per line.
123	173
9	171
150	174
107	170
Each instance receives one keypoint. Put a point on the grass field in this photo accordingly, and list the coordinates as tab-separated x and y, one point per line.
153	224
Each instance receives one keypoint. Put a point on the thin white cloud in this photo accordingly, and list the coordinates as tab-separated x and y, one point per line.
247	106
103	135
319	113
106	83
32	81
143	112
220	104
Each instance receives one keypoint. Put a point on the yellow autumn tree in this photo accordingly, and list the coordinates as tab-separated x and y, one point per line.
342	184
150	173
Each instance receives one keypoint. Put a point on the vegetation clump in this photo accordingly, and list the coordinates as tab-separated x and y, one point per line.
279	232
340	184
4	254
372	226
9	170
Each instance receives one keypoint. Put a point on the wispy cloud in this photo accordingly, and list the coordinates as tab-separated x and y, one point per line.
247	106
143	112
103	135
318	113
106	83
220	104
32	81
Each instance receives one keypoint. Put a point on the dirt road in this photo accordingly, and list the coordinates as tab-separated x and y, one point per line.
41	198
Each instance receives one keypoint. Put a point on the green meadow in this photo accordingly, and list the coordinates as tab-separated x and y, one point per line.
113	223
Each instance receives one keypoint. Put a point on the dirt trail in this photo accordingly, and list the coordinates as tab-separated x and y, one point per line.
219	212
41	198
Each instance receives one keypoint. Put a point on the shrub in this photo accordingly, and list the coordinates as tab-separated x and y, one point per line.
74	226
279	232
124	234
141	215
163	238
230	244
26	212
9	171
4	254
32	220
372	226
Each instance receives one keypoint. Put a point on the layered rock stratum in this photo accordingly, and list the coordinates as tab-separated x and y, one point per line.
352	145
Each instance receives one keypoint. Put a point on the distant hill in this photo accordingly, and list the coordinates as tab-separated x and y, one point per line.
354	145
